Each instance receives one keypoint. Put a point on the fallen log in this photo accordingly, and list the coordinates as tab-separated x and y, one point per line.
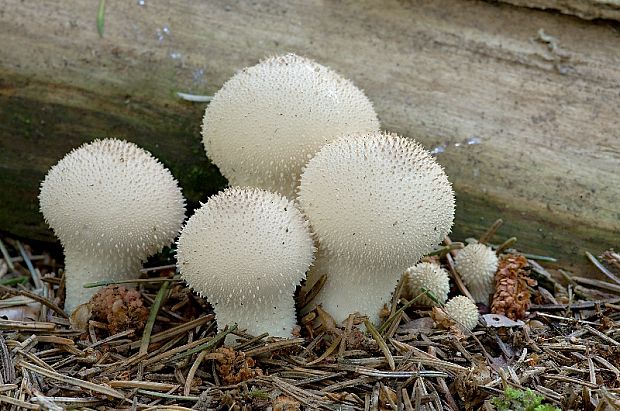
521	106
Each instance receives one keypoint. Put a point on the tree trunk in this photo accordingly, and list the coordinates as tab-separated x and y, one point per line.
521	106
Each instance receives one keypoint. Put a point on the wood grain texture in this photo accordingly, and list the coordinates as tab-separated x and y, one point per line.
537	93
586	9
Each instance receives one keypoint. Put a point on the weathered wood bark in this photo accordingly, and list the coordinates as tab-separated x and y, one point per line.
541	108
586	9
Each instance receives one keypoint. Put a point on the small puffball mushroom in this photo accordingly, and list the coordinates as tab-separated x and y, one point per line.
477	265
111	204
246	250
463	311
269	119
430	276
376	202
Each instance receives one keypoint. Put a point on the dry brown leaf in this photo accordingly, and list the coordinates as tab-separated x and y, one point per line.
80	317
327	320
22	312
441	318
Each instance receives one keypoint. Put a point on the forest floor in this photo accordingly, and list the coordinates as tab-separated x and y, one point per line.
154	345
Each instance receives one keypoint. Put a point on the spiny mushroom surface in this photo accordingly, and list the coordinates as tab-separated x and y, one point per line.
269	119
246	250
430	276
376	202
477	263
111	204
463	311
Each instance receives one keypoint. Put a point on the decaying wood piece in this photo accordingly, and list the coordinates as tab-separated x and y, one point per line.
586	9
522	107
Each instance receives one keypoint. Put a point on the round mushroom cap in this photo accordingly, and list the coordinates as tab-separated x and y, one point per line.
269	119
244	244
463	311
477	264
111	197
377	198
431	277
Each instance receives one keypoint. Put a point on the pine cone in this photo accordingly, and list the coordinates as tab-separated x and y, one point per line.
120	307
512	295
234	367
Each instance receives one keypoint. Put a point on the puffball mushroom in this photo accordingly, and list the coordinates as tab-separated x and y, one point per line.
376	202
269	119
246	250
111	204
477	264
463	311
430	276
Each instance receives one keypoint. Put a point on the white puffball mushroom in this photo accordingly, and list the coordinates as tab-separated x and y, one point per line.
246	250
430	276
477	264
112	205
376	202
462	310
264	124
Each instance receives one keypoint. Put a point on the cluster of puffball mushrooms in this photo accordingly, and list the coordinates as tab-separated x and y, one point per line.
316	189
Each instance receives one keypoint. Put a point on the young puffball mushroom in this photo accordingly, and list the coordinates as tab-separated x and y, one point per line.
430	276
246	250
376	202
269	119
111	204
463	311
477	265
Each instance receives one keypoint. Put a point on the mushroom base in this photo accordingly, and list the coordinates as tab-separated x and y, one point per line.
273	314
354	288
81	268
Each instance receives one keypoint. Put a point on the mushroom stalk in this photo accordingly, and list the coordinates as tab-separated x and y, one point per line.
273	313
351	288
89	264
